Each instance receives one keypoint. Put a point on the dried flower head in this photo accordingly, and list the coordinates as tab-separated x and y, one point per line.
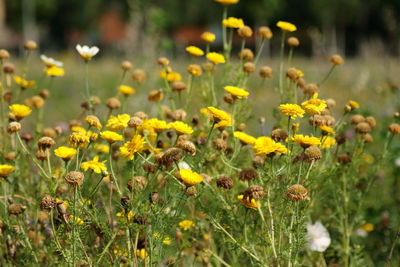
248	174
224	182
297	192
74	178
312	153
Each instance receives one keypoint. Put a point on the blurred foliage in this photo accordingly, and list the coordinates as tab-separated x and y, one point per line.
360	20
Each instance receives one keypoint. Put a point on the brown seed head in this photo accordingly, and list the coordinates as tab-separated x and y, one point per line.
44	93
310	89
258	161
155	95
344	159
292	74
248	174
246	54
13	127
74	178
297	192
30	45
368	138
264	32
16	209
249	67
178	86
371	121
394	128
4	54
126	65
363	128
253	192
163	61
266	72
224	182
137	183
356	119
337	60
135	122
113	103
279	135
245	32
48	203
293	41
139	76
45	143
312	153
220	144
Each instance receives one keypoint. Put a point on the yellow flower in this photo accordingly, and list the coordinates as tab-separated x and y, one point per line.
126	90
79	139
208	37
245	138
248	203
66	153
327	142
79	129
194	51
102	148
186	224
136	144
216	58
305	140
314	105
368	227
154	125
286	26
111	136
326	129
76	220
54	71
118	123
166	239
353	104
20	111
92	136
190	177
227	2
23	83
94	165
368	158
180	127
292	110
264	146
233	22
6	170
93	121
299	73
141	253
220	117
237	92
170	76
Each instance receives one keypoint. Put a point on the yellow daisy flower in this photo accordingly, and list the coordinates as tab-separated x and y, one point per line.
181	127
190	177
305	140
292	110
328	142
248	203
220	117
136	144
264	146
314	105
66	153
208	37
6	170
327	130
194	51
245	138
227	2
111	136
94	165
126	90
215	58
20	111
232	22
54	71
286	26
118	123
237	92
23	83
186	224
102	148
93	121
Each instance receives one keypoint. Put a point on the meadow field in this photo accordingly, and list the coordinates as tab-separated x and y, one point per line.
208	158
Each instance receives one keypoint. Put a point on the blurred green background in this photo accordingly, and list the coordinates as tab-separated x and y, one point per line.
123	26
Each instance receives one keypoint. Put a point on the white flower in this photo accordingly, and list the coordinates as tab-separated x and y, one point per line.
184	165
87	52
318	237
51	62
397	162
